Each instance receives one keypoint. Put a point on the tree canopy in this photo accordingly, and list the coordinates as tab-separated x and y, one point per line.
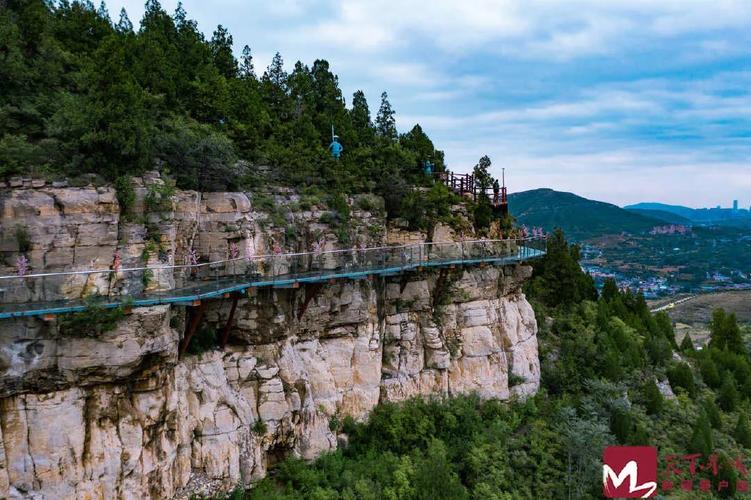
82	95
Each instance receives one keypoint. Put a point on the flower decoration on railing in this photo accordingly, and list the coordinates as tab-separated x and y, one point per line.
117	261
538	232
318	246
22	265
276	248
234	250
192	257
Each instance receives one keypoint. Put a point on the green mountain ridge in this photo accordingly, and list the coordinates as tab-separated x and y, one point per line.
703	216
663	215
579	218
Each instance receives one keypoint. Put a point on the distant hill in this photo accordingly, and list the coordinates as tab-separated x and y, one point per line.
580	218
663	215
700	216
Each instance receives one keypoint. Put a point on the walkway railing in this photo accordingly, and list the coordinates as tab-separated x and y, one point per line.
55	292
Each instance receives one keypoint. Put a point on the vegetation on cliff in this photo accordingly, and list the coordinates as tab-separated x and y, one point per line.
82	94
607	366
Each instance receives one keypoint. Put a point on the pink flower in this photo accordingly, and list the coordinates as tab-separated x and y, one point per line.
192	257
318	247
22	265
117	261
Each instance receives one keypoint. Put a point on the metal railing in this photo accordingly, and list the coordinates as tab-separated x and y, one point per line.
190	280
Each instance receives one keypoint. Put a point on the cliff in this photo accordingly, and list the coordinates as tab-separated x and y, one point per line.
122	415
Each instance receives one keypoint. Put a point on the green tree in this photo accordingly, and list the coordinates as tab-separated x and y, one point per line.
686	344
247	70
701	437
385	121
221	50
653	399
680	377
725	332
728	395
742	433
483	179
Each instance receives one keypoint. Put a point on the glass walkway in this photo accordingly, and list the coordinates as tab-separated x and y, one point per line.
65	292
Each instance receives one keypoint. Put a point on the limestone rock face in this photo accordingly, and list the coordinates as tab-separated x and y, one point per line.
120	415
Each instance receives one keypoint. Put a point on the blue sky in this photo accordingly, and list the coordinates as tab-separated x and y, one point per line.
617	100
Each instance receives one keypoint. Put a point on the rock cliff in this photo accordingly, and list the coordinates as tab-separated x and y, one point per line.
121	415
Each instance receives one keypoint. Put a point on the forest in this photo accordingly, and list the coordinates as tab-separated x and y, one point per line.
606	363
85	95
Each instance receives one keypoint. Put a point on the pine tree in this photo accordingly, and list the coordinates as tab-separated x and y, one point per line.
221	49
728	397
725	332
709	372
483	179
653	398
124	25
246	64
742	433
701	437
686	344
360	112
385	121
713	413
275	72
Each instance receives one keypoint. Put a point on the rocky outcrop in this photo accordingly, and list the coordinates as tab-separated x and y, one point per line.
120	415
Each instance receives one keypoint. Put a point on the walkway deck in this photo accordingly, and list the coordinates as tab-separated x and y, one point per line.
281	271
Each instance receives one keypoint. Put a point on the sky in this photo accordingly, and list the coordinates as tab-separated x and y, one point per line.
616	100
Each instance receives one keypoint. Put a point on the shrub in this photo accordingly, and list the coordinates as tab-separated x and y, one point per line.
159	196
742	433
653	399
204	340
95	320
728	397
338	203
259	427
126	195
680	377
23	239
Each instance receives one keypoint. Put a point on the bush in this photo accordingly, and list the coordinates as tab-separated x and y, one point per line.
204	340
742	433
23	238
159	196
95	320
126	195
728	396
653	399
259	427
680	377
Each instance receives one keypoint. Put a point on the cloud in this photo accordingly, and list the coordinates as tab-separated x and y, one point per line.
619	99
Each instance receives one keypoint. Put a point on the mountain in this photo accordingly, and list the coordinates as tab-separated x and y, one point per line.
579	217
663	215
699	216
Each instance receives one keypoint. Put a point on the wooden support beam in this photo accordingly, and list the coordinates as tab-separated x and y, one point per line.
225	331
311	291
195	319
